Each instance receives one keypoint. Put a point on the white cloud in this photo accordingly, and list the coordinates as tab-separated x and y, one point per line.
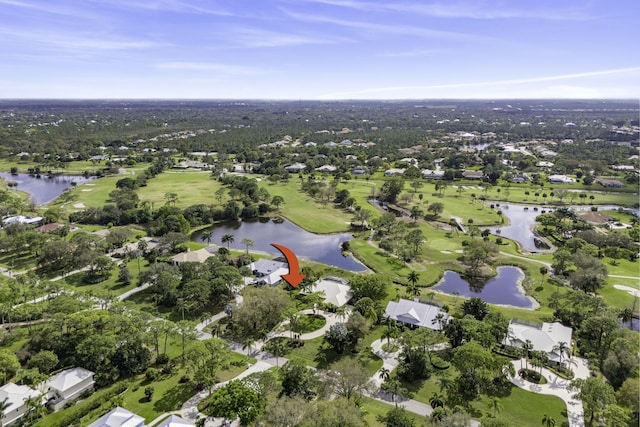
462	9
411	91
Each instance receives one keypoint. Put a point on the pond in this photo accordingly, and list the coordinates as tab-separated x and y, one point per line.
323	248
504	289
522	220
43	190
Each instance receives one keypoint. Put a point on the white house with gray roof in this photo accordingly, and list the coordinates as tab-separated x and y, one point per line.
543	337
119	417
175	421
66	385
268	271
417	314
15	397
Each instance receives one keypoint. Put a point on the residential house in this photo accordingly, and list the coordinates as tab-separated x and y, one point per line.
48	228
15	397
336	290
544	164
473	174
519	179
359	171
66	385
609	183
394	172
326	169
595	218
296	167
432	173
119	417
543	337
560	179
191	164
21	219
201	255
417	314
176	421
268	272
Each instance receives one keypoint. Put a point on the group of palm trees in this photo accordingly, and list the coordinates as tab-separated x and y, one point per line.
227	238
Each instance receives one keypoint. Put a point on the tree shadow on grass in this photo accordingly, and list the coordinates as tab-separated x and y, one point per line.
174	398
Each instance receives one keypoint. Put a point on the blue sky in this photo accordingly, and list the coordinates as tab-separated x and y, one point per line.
319	49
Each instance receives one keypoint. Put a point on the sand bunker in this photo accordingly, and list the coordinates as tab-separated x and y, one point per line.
633	291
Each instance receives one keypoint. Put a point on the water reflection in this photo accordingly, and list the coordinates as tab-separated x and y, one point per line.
43	190
315	247
502	289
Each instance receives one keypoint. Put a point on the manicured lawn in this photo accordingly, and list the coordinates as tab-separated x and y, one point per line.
192	187
525	408
374	409
305	212
76	281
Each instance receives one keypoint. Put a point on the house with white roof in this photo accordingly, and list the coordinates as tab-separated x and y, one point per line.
560	179
15	397
295	167
543	337
336	290
268	272
416	314
119	417
394	172
326	168
175	421
432	173
66	385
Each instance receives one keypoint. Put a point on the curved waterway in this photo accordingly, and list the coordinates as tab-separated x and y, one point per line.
44	189
323	248
504	289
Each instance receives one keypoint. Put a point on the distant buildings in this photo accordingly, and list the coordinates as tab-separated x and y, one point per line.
326	169
473	174
432	174
614	183
394	172
296	167
560	179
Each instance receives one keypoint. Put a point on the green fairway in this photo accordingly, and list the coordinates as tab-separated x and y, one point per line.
192	187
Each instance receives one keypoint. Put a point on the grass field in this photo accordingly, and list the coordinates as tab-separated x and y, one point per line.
192	187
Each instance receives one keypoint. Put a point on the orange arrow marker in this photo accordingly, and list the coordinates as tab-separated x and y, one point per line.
293	277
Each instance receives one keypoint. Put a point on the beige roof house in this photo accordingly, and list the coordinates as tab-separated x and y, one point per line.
336	290
201	255
119	417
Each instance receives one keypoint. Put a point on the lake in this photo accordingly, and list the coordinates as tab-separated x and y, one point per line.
323	248
503	289
43	190
522	220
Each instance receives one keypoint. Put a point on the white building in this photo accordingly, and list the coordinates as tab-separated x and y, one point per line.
66	385
15	397
119	417
296	167
268	272
175	421
416	314
543	337
394	172
560	179
336	290
326	168
432	174
201	255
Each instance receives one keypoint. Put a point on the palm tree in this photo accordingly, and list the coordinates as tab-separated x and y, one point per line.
34	407
341	313
228	238
526	349
439	319
562	347
394	387
445	384
413	277
496	405
248	345
384	374
207	235
389	333
626	315
248	243
548	421
436	400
